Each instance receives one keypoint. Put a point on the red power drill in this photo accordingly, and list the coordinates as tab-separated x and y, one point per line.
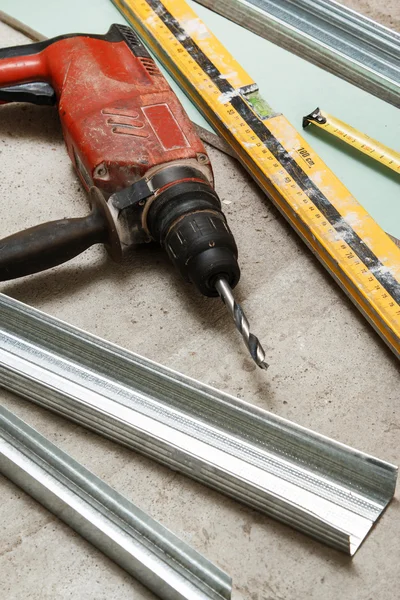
138	155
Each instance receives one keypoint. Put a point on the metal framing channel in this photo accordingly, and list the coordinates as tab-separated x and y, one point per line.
327	34
327	490
130	537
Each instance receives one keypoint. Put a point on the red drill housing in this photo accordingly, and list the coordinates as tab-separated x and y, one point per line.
132	145
119	116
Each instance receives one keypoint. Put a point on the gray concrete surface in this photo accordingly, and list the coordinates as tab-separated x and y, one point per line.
329	371
385	12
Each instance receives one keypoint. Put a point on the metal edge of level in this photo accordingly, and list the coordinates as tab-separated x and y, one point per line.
325	489
130	537
326	34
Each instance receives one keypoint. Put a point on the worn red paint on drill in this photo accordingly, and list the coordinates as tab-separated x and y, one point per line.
101	88
165	126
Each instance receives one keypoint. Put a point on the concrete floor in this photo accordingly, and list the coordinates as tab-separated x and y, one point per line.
329	371
387	13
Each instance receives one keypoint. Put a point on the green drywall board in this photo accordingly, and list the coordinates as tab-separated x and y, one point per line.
289	83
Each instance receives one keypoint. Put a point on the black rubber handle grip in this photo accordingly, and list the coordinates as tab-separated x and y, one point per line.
50	244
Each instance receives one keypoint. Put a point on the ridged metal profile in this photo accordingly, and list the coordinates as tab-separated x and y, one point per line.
130	537
327	34
327	490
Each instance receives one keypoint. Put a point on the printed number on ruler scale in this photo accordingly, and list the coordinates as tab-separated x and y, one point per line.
338	229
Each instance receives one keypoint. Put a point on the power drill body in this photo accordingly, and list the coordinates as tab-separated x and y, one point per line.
135	151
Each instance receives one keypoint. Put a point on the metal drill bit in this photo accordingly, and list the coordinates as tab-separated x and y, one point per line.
242	325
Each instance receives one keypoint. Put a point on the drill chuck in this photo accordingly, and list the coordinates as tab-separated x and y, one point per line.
186	219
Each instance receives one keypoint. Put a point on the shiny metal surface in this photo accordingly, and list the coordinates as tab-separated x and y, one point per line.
327	34
130	537
327	490
242	325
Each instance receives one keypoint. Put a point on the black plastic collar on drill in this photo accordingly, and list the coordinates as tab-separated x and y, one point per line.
176	201
186	219
175	173
144	188
188	222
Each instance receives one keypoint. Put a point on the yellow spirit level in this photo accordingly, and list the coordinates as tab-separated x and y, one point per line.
356	251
